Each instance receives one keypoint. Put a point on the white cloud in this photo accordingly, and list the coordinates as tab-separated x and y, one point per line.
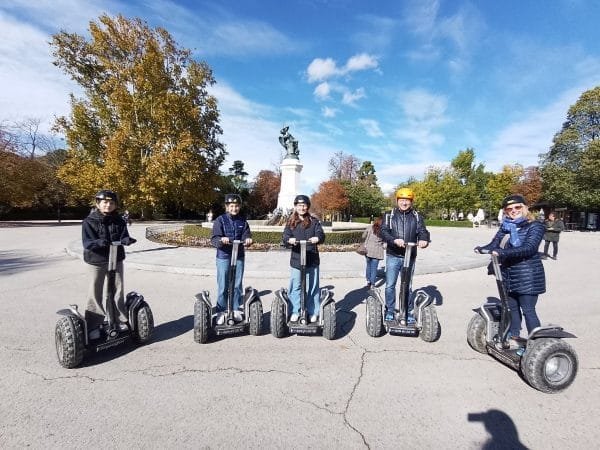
322	90
360	62
320	69
329	112
350	98
371	127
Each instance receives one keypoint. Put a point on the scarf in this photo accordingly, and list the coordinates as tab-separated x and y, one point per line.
510	226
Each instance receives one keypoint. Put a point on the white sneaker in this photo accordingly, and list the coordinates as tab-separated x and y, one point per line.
94	334
220	318
238	316
123	326
313	318
294	317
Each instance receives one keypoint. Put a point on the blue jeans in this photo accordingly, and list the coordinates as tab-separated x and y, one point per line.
526	304
223	283
393	266
371	272
313	293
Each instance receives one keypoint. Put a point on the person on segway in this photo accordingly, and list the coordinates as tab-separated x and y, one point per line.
302	226
227	228
100	228
401	226
516	245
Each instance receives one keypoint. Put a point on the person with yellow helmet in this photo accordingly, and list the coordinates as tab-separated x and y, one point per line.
401	226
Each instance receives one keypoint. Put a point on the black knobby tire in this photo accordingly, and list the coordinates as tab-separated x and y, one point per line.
476	334
145	325
256	318
278	319
549	364
374	317
70	341
329	322
430	330
201	322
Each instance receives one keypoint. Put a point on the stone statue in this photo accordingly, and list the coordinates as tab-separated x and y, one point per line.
290	143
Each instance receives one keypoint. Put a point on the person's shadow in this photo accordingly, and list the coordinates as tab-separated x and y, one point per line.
433	292
345	307
503	431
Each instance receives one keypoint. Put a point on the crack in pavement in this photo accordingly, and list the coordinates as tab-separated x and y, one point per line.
16	349
217	370
91	379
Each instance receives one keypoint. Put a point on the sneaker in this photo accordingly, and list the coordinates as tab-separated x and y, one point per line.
94	334
123	326
410	320
294	317
313	318
516	342
389	316
220	318
238	316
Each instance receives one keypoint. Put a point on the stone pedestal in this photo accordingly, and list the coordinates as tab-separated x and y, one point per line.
290	183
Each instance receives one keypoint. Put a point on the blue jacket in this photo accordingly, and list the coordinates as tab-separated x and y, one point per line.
522	268
233	227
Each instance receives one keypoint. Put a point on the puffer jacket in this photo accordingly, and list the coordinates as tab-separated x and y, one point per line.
98	231
235	228
522	268
304	234
407	225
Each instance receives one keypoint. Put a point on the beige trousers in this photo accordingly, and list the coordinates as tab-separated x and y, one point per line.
98	296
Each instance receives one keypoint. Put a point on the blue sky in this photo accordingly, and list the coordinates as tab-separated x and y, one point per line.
404	84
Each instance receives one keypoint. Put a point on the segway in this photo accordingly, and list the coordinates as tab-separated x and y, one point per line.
545	361
281	308
205	317
426	323
72	335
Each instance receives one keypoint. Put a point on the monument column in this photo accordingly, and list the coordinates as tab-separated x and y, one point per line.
290	183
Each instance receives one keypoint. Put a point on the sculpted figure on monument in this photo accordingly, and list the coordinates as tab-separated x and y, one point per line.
290	143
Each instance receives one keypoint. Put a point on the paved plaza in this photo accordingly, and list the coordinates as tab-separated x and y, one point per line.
297	392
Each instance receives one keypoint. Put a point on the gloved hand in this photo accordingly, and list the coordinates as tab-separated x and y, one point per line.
128	241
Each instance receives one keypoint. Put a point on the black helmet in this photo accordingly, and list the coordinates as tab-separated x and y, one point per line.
105	194
302	199
512	199
233	198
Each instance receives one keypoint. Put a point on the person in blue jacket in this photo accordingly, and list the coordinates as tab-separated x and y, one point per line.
101	227
227	228
302	226
516	244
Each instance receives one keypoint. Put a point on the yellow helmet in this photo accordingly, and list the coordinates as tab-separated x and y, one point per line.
405	193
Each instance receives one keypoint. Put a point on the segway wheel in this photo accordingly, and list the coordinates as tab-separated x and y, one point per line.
70	341
201	322
329	322
476	334
430	330
278	319
145	325
549	365
374	317
256	318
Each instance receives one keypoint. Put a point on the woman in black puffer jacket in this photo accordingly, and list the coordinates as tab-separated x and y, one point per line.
516	243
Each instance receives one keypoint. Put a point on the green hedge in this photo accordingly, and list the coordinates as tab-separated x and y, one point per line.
274	237
448	223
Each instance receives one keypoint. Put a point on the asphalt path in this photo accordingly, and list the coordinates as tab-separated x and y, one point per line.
297	392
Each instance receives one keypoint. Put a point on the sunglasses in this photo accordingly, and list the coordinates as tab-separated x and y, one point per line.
513	208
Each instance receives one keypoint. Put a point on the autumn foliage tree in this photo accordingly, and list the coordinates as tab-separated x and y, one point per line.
331	199
146	125
263	195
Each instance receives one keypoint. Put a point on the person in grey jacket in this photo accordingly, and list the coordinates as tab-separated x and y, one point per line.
516	244
554	227
375	250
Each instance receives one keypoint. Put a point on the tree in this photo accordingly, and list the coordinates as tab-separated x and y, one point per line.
530	185
567	168
366	174
504	183
343	167
264	193
146	125
330	199
238	176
